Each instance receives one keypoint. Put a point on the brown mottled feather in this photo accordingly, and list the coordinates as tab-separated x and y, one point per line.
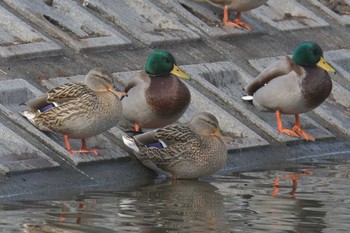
187	154
84	109
67	91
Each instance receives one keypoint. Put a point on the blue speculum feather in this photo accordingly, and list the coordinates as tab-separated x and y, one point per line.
46	107
155	145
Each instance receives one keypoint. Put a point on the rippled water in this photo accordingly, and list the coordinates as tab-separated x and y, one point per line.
311	197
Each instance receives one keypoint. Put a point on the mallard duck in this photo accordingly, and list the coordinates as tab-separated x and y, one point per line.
238	6
78	110
182	151
156	97
293	86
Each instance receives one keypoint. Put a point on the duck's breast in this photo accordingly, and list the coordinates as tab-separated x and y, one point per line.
316	87
208	158
168	96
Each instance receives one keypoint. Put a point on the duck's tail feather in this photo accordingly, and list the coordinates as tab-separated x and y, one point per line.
131	143
29	115
247	97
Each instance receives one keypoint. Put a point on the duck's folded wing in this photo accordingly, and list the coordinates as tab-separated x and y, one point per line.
146	138
175	133
67	92
138	78
169	135
168	156
60	94
279	68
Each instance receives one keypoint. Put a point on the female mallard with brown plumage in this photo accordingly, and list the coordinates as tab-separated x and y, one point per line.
182	151
293	86
156	97
78	110
238	6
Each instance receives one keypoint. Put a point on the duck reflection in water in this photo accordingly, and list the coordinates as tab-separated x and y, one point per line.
294	177
191	205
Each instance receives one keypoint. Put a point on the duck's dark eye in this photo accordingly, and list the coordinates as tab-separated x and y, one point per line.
166	60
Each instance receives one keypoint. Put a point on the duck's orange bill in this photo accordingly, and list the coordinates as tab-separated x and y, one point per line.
324	65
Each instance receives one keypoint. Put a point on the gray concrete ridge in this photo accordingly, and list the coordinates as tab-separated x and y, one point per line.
43	45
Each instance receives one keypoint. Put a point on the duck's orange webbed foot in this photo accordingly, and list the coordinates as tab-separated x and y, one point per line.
237	23
280	126
94	151
288	132
303	134
84	148
241	23
297	129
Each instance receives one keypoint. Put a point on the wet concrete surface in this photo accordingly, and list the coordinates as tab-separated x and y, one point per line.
42	46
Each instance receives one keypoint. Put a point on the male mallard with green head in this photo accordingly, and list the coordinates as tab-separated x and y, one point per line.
238	6
156	96
182	151
78	110
293	86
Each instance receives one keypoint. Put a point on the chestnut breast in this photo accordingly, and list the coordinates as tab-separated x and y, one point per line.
316	86
168	95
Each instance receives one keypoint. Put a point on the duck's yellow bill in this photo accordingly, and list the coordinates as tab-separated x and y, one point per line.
324	65
179	73
217	133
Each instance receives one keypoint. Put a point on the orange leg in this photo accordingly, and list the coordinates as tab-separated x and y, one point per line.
236	22
83	149
66	140
137	127
300	132
280	126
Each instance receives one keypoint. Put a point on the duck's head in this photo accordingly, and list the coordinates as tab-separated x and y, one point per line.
206	124
99	80
162	62
310	54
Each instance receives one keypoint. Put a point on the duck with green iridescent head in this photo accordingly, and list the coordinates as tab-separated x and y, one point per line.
293	86
156	96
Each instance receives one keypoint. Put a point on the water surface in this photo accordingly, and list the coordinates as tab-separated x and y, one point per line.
307	197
